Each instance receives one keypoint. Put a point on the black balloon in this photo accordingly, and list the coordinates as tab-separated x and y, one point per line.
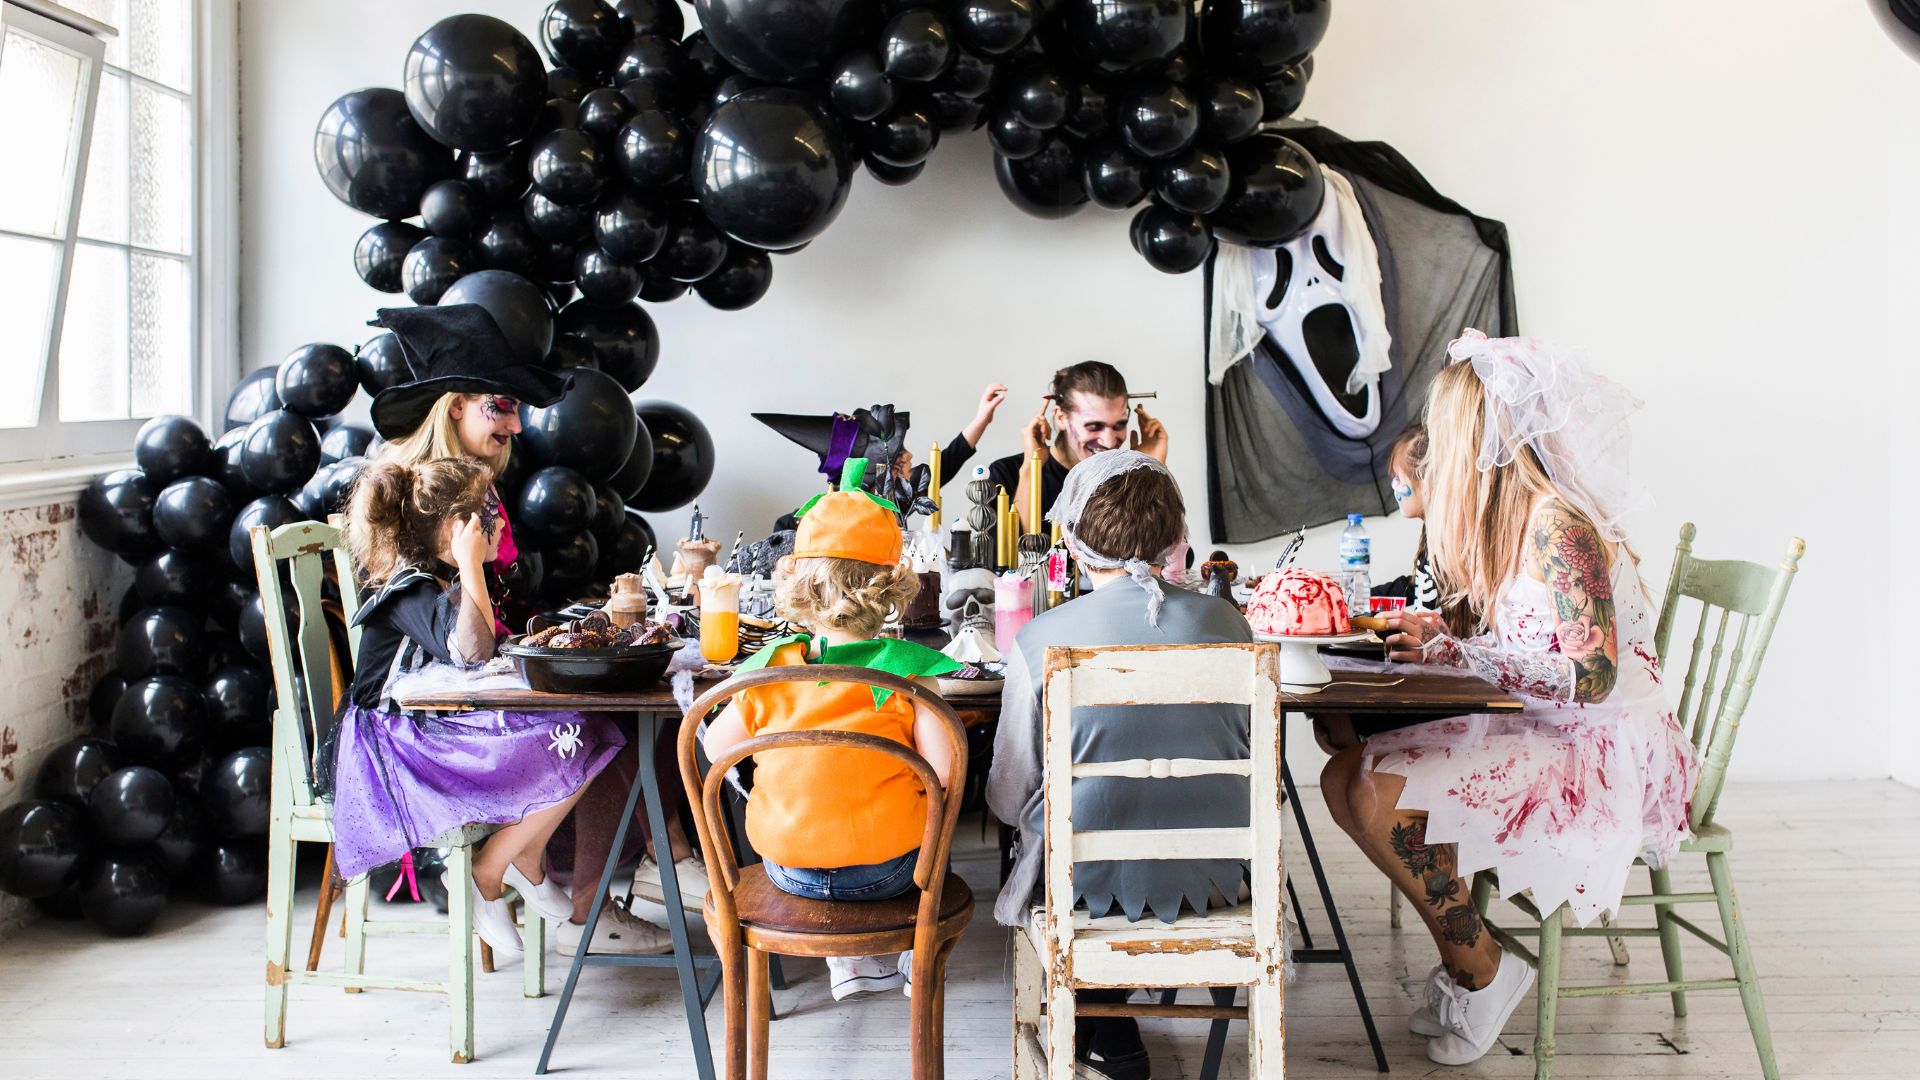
1259	37
951	112
1232	110
556	503
232	872
683	457
1283	93
499	175
653	149
326	493
123	892
783	42
232	596
590	429
609	512
629	228
567	167
566	84
179	578
253	628
1013	138
170	447
971	76
182	841
1092	113
473	82
317	380
556	223
1040	96
517	305
1194	181
70	771
374	157
1126	35
131	806
380	252
694	248
622	552
569	566
1158	118
508	243
858	87
902	139
772	168
345	441
160	720
235	793
252	397
704	62
742	279
639	464
280	452
657	288
381	363
221	649
622	340
452	208
585	34
916	45
106	694
431	268
41	846
162	640
995	27
603	279
193	514
239	699
894	174
1114	178
1275	194
651	72
223	463
553	268
1171	241
271	511
603	112
1046	184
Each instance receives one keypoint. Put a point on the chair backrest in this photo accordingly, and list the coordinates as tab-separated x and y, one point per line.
1756	594
1164	675
706	792
303	545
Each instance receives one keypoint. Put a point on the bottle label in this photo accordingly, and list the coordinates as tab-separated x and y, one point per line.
1355	552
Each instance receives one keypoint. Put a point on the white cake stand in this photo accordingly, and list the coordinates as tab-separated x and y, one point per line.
1301	669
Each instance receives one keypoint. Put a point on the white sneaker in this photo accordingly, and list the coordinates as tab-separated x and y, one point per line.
1425	1020
618	933
492	920
693	882
1475	1018
858	976
905	965
545	898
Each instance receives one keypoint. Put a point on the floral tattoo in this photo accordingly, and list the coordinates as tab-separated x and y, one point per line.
1434	866
1569	554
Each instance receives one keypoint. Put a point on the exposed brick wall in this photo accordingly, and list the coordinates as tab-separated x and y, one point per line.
58	597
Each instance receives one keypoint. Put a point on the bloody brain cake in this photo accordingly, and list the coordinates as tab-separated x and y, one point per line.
1299	603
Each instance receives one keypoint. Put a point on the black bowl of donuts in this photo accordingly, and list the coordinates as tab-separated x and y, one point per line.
590	655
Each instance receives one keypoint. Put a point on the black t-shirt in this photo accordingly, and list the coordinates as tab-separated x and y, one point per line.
412	614
1053	476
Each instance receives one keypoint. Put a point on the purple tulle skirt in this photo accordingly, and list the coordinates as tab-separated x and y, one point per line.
400	781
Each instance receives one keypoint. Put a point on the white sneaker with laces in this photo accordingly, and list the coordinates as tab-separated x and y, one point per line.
693	882
905	965
618	933
858	976
1475	1018
492	920
1425	1020
545	898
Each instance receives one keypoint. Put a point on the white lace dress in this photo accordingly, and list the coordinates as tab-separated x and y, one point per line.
1562	797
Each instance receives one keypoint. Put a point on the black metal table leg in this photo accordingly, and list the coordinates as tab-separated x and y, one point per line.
1300	917
1341	953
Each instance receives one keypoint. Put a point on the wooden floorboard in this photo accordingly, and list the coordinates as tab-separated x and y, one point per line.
1828	873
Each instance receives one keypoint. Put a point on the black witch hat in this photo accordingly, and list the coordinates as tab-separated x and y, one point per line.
877	434
455	349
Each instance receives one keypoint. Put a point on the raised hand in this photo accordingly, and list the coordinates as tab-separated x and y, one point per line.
1149	435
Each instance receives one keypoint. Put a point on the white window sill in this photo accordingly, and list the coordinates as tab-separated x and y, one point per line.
40	483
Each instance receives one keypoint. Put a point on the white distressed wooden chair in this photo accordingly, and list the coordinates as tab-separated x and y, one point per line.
1063	950
297	816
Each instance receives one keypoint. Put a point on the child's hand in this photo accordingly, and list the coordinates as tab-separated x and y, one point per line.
990	400
469	546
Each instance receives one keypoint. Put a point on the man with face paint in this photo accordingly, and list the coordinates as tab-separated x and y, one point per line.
1087	405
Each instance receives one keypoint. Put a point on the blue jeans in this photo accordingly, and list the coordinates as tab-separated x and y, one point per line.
875	881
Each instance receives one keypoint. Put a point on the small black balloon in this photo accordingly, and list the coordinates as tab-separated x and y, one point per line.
569	566
996	27
609	511
858	87
1126	35
1282	94
381	363
1092	113
232	872
508	243
518	306
1115	179
916	45
683	457
1046	184
236	794
741	280
556	223
1194	181
1040	96
639	463
453	208
783	42
317	380
498	175
179	578
381	251
123	892
556	503
894	174
160	720
231	597
474	82
629	228
568	167
623	341
374	157
239	699
951	112
162	640
345	441
1232	109
170	447
252	397
1013	138
1158	118
971	76
657	288
566	84
652	70
903	138
1275	194
704	61
590	429
693	248
280	452
432	267
621	552
182	841
602	279
586	34
70	771
42	844
131	806
106	694
653	149
1171	241
1259	37
271	511
193	514
603	112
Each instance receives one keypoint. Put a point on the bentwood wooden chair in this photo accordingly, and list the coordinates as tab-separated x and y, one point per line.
299	816
750	919
1062	949
1755	593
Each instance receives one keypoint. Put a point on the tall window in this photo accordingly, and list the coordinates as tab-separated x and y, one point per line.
97	301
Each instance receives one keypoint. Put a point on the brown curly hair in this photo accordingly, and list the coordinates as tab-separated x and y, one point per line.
395	512
844	594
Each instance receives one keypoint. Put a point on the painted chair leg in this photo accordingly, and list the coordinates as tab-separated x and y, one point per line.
354	911
1060	1022
1669	936
759	1014
1615	944
1393	908
280	866
1482	893
1549	991
460	947
1266	1028
1029	988
1743	967
533	974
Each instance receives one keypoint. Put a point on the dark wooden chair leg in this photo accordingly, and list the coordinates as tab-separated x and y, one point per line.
733	983
759	1010
486	958
329	890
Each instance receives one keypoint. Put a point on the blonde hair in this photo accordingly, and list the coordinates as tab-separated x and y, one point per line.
438	438
844	594
394	512
1477	520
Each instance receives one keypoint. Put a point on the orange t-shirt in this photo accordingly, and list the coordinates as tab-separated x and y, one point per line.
830	807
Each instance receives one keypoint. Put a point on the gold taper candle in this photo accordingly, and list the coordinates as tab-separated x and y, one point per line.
1033	491
1056	532
933	486
1002	533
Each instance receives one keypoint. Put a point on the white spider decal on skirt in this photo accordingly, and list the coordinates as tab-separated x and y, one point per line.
566	740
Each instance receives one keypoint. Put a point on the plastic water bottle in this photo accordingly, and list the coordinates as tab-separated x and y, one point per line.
1356	564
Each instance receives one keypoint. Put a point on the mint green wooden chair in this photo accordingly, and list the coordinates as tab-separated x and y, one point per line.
298	817
1756	594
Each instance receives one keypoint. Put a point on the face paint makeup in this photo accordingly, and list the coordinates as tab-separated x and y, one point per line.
490	515
1401	490
492	407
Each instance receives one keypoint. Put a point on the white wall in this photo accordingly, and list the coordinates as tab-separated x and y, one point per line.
1697	193
1903	383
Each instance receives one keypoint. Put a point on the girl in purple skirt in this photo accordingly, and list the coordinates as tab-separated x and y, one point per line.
422	536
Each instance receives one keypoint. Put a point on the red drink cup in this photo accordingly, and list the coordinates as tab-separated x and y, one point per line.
1386	603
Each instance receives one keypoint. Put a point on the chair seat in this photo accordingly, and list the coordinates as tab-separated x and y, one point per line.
766	913
1222	940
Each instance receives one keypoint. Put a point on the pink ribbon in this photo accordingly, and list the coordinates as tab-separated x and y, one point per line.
406	875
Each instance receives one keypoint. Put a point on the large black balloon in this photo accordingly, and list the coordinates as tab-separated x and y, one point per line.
1194	181
499	175
622	552
431	268
508	243
253	628
123	892
170	447
741	280
116	512
585	34
916	45
783	42
629	228
1232	109
1283	93
1114	178
160	719
41	845
162	640
602	279
131	806
1259	37
569	566
1126	35
517	305
272	511
556	503
381	363
184	838
222	649
903	138
317	380
589	429
1157	118
235	793
694	248
622	339
1047	184
609	511
69	771
603	112
345	441
639	464
474	83
651	72
568	167
315	499
772	167
223	464
280	452
232	872
231	597
1276	192
683	457
1171	241
252	397
653	149
858	87
380	252
653	17
239	701
995	27
374	157
453	208
179	578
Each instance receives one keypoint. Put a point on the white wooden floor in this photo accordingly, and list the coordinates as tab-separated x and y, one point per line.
1829	876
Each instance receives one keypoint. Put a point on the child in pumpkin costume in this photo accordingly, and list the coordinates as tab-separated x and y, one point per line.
837	824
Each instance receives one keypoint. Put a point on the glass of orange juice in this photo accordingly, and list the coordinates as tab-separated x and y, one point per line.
719	616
